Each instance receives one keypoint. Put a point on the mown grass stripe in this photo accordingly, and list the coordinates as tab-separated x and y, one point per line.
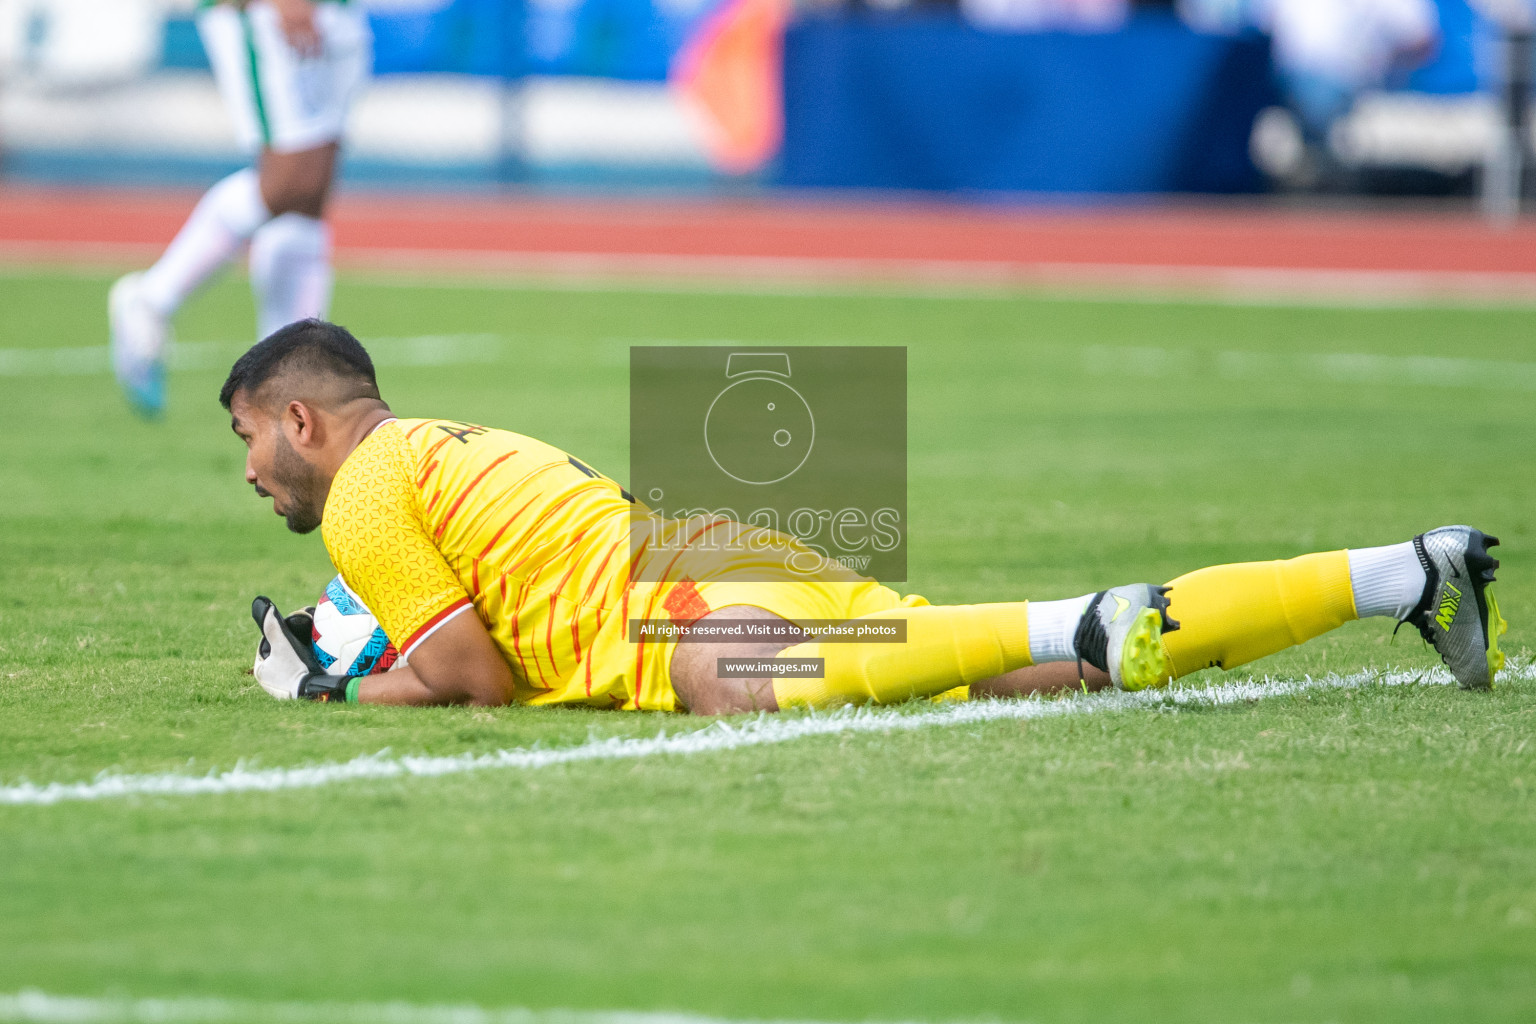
35	1007
414	350
762	730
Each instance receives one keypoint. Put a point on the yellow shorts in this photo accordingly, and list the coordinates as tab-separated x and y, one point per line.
637	676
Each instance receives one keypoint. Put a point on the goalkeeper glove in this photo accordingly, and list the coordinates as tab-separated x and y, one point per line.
285	662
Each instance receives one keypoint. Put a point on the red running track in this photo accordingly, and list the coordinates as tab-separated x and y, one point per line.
1218	246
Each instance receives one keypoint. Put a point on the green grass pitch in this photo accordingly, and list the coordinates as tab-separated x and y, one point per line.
1353	855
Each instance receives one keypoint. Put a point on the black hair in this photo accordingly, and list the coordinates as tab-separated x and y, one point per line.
309	346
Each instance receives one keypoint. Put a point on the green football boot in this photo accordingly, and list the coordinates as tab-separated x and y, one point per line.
1121	633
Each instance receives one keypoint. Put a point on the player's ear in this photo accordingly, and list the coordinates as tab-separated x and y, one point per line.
301	424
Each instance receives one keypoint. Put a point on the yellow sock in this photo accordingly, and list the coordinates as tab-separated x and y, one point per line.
946	647
1230	615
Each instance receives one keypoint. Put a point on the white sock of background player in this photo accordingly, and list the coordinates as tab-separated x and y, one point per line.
221	223
290	271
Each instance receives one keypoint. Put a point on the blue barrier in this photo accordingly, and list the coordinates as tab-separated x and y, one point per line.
633	40
636	40
934	104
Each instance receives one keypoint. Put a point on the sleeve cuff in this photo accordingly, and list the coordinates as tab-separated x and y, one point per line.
432	625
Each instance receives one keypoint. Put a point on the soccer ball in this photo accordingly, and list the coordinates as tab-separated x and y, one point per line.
348	640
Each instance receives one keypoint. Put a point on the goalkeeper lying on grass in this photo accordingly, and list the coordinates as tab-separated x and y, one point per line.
502	570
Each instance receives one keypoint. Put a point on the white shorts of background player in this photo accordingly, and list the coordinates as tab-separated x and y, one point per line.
279	98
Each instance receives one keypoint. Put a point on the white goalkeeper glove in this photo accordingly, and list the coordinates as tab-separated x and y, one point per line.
285	662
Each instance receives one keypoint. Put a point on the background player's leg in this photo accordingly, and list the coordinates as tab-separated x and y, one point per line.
140	306
299	181
291	254
290	271
223	220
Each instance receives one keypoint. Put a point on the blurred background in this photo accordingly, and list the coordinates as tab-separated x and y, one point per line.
984	97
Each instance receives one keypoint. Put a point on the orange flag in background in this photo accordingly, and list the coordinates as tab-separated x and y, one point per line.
731	71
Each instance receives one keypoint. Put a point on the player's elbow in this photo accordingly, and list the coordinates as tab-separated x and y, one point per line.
489	696
477	689
461	665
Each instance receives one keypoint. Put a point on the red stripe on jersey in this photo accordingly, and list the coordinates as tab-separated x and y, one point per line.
490	508
430	624
437	447
705	529
423	423
597	628
689	543
650	611
533	648
503	529
559	589
639	666
624	621
421	478
634	562
465	493
597	576
516	650
556	507
435	496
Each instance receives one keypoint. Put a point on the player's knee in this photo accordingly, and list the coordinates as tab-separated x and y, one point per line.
691	679
296	195
702	690
297	182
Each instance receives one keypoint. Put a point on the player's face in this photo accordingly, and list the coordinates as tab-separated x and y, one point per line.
276	470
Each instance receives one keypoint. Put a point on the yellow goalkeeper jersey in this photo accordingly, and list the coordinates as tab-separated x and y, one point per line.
428	519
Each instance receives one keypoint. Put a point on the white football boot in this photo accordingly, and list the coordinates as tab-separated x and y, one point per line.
139	339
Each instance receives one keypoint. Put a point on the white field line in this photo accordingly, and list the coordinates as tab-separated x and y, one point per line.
1142	361
33	1007
763	730
1341	367
416	350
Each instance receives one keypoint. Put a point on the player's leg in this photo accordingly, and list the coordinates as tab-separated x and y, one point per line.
141	305
700	686
220	225
944	647
1230	615
290	261
308	98
1235	614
